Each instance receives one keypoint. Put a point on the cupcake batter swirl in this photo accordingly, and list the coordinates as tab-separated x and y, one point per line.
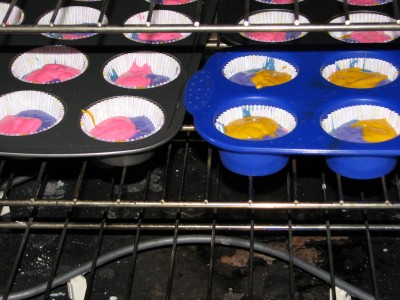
357	78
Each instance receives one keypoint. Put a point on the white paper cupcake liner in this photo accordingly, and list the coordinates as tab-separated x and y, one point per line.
275	17
160	64
363	17
285	119
368	64
72	15
173	2
341	116
122	106
16	102
257	62
36	58
277	1
367	2
159	17
16	17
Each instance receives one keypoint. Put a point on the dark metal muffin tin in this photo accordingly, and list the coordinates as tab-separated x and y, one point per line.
67	139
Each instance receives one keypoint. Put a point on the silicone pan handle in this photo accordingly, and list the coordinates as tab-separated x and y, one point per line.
199	91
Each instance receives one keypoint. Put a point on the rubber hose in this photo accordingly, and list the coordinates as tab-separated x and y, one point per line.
192	239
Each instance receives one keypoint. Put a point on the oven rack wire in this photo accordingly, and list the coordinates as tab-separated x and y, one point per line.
179	227
197	26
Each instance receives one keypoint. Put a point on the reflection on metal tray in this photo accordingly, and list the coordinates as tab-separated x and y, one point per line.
66	139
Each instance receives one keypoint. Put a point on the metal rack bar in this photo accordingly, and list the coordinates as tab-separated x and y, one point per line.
131	276
99	243
8	12
152	4
63	236
223	28
328	235
19	225
36	191
197	17
251	249
214	221
396	10
207	205
55	12
102	13
290	186
370	252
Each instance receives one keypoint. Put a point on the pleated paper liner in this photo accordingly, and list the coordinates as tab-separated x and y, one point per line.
22	111
146	116
49	65
141	70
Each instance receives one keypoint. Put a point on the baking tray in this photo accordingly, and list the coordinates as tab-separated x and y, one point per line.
67	139
309	98
316	11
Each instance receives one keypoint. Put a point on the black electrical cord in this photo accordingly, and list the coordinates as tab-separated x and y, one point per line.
192	239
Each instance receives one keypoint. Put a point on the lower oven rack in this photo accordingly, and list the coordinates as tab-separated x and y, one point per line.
188	169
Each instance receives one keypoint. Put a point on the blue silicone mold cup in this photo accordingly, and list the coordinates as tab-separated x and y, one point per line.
254	164
359	167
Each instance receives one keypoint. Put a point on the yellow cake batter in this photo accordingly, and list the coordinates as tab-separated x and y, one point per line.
264	78
356	78
375	131
252	128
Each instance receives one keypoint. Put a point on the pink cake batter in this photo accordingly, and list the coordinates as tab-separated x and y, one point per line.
364	2
159	36
174	2
368	37
136	76
267	36
52	72
12	125
117	129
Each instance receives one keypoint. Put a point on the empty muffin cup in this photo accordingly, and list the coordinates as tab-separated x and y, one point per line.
254	123
122	119
364	36
360	72
72	15
141	70
159	17
16	17
259	71
367	2
49	64
362	124
274	17
29	112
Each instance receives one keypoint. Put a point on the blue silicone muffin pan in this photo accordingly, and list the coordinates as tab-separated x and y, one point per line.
309	98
